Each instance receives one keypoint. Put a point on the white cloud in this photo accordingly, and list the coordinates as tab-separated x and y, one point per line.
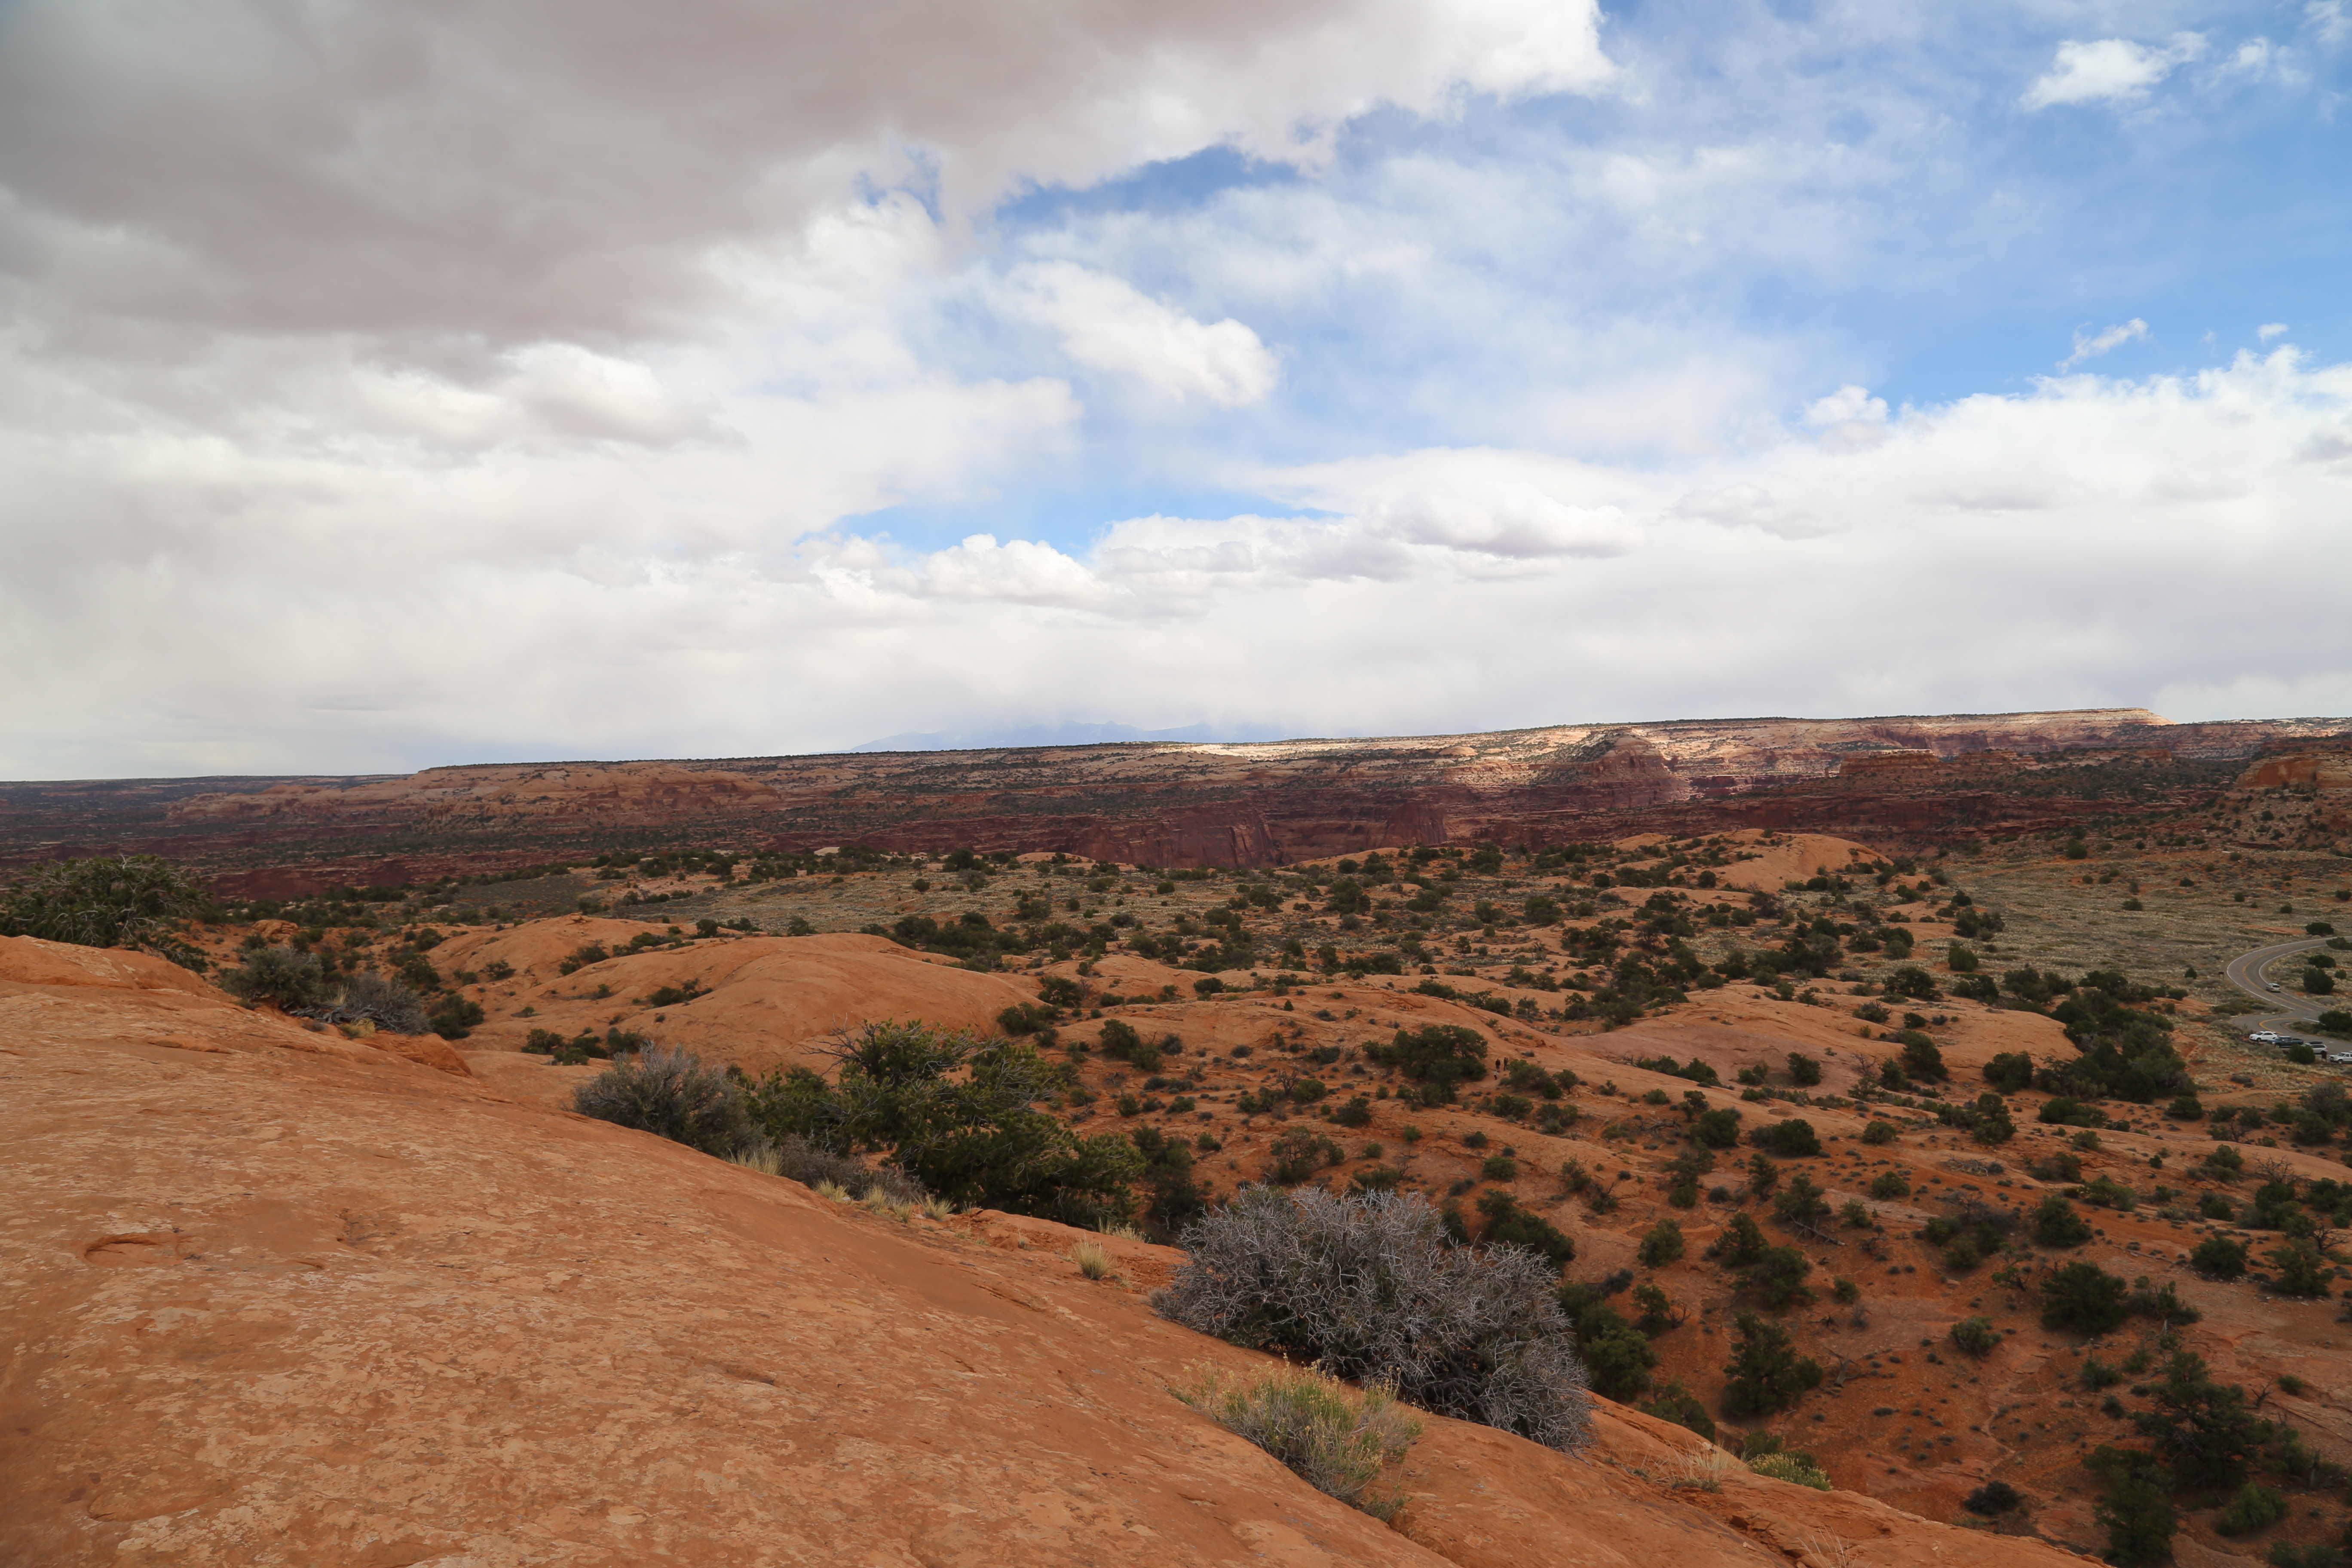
2329	19
2270	330
2110	68
1441	589
1104	322
2090	346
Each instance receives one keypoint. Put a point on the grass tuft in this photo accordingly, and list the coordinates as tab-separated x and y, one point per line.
1094	1260
1335	1439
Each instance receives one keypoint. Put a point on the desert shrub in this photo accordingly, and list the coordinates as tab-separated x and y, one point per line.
1766	1373
2207	1431
1791	1140
1617	1355
1680	1405
1992	1498
1507	1223
958	1113
2084	1297
453	1017
1662	1243
1854	1214
1499	1168
125	900
2218	1258
1801	1202
1298	1153
2097	1374
1912	981
278	975
1804	1071
803	1161
386	1004
1356	1113
1976	1336
2298	1268
1440	1056
1716	1129
1336	1440
2137	1511
1021	1018
1879	1133
1890	1184
1369	1288
2009	1071
2055	1224
2161	1302
2109	1193
1921	1058
2254	1507
1794	1467
2286	1555
1778	1278
671	1093
1740	1244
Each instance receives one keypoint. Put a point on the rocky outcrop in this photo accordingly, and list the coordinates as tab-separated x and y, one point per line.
276	1306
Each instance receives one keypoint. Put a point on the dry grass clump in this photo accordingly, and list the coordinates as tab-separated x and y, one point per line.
764	1159
1093	1259
939	1207
879	1201
832	1190
1703	1469
1336	1440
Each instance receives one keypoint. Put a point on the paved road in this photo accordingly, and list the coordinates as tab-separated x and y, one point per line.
2295	1010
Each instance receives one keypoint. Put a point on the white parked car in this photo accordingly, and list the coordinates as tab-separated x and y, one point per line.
2275	984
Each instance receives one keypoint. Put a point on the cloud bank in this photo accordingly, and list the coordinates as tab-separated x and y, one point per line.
382	387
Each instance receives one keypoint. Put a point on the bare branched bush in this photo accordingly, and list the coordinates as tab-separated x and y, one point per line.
386	1004
1332	1439
1369	1288
671	1093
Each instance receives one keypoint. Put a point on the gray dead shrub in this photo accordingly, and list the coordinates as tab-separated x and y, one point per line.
1368	1288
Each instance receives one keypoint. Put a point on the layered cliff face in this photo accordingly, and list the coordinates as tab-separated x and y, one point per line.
1186	805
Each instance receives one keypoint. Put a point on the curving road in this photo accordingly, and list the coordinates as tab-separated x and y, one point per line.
2295	1010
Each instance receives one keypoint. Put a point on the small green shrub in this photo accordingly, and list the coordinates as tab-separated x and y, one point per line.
2255	1508
1992	1499
1794	1467
671	1093
2084	1297
1976	1336
1662	1243
1879	1133
278	975
1890	1184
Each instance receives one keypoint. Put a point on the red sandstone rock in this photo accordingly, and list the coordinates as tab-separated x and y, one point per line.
269	1306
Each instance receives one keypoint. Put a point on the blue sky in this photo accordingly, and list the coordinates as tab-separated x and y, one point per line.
382	390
